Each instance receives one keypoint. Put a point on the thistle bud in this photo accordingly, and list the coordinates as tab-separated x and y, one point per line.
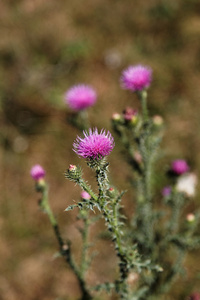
73	173
85	195
117	119
157	121
190	218
112	193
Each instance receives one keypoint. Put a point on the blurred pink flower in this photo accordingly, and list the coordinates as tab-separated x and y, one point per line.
195	296
80	97
37	172
179	166
166	191
85	195
129	113
136	78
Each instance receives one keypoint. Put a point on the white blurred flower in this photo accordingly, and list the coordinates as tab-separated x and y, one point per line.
112	59
187	184
190	218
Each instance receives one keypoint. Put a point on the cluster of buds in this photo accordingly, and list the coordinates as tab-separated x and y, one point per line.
129	117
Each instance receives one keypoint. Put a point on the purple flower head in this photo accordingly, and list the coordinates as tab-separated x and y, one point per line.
94	145
179	166
136	78
37	172
80	97
166	191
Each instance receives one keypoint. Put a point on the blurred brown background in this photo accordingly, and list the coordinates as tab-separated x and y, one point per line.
47	46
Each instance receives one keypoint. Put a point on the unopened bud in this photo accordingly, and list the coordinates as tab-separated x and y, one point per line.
130	115
112	192
132	278
73	172
157	120
190	218
40	185
116	117
65	247
72	168
137	157
85	195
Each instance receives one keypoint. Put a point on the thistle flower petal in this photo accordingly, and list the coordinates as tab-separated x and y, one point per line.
94	145
136	78
80	97
179	166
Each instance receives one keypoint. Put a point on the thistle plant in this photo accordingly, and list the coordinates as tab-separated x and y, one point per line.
151	247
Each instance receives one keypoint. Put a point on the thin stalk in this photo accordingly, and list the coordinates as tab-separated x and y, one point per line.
112	219
146	152
85	234
83	114
175	215
83	184
65	249
143	98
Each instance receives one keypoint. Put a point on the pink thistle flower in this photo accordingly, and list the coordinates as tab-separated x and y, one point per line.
136	78
95	145
179	166
37	172
80	97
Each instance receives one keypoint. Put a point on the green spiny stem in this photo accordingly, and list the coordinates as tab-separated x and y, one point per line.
112	219
145	204
102	181
82	183
176	210
110	216
173	272
44	204
80	120
85	234
66	253
143	98
100	200
65	250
